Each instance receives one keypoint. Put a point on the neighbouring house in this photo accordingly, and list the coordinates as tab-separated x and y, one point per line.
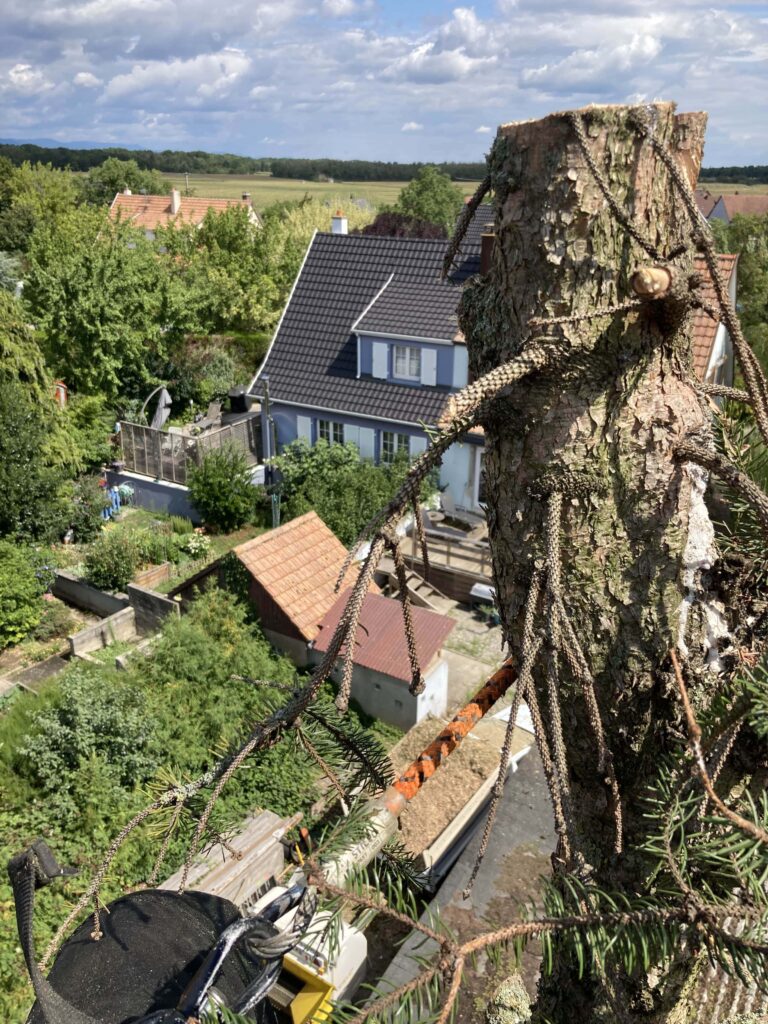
381	671
747	204
705	201
368	349
152	212
711	347
292	574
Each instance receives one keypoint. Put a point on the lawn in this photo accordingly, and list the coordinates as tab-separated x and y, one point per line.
265	189
729	187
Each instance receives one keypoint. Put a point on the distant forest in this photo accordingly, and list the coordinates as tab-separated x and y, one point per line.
750	175
198	162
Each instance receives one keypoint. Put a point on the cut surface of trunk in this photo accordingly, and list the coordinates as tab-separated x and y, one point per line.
598	428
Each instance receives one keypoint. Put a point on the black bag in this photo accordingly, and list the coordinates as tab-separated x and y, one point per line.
159	958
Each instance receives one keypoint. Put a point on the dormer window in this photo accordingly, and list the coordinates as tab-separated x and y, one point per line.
407	362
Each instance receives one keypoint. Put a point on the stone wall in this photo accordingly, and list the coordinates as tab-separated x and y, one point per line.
120	626
150	607
72	590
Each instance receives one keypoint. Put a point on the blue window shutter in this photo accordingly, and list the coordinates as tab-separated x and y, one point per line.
418	445
304	428
367	442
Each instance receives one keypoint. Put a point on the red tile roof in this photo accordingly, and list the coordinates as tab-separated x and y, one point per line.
705	201
747	203
297	565
150	212
704	327
380	638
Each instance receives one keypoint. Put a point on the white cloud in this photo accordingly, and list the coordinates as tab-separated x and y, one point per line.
426	63
483	129
412	126
339	8
261	90
595	69
27	81
86	79
206	76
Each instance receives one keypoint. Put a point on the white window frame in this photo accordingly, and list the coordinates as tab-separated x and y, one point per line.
411	354
330	431
392	443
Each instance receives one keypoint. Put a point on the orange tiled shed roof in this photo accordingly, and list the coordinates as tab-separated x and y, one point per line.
745	203
380	643
704	327
297	565
150	212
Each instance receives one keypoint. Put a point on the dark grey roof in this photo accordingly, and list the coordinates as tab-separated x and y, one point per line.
485	214
313	359
423	309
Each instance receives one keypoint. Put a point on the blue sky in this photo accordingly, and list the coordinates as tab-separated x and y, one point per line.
373	79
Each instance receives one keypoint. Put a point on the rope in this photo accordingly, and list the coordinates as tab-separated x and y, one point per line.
422	536
463	222
578	126
417	679
729	473
721	391
577	318
353	609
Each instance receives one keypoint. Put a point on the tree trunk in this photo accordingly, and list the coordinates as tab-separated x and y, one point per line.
597	428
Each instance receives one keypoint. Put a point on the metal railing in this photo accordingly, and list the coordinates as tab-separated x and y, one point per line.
167	455
461	554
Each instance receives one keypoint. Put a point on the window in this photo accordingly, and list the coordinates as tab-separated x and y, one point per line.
391	444
329	431
407	363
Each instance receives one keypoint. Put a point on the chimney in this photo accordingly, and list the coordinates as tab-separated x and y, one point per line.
247	198
487	242
127	192
339	224
175	201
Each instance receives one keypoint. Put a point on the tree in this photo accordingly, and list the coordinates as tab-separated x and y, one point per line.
20	357
33	194
31	507
221	490
21	589
400	225
344	490
431	196
748	236
97	293
114	175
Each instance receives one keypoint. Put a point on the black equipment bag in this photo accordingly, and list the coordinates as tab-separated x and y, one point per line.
159	956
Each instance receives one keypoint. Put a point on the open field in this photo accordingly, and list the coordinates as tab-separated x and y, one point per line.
265	189
724	188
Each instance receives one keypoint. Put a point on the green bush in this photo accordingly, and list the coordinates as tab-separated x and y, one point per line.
221	489
181	525
57	620
21	590
88	500
112	560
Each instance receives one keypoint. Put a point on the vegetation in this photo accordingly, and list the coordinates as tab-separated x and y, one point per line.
114	175
80	759
21	589
748	236
390	224
221	490
344	490
431	197
198	162
748	175
112	560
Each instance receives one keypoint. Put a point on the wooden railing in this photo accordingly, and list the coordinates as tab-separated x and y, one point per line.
459	554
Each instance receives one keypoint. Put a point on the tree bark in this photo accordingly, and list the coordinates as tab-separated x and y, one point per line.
599	427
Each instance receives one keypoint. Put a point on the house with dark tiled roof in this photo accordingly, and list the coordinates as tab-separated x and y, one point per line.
152	212
711	345
368	349
292	573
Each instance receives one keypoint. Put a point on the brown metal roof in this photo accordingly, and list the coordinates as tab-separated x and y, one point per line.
704	327
297	565
150	212
380	641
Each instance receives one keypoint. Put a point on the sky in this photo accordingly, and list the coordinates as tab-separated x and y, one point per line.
370	79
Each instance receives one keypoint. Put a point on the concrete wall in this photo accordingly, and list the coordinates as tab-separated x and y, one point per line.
296	650
151	609
120	626
69	588
388	699
156	574
209	575
157	495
